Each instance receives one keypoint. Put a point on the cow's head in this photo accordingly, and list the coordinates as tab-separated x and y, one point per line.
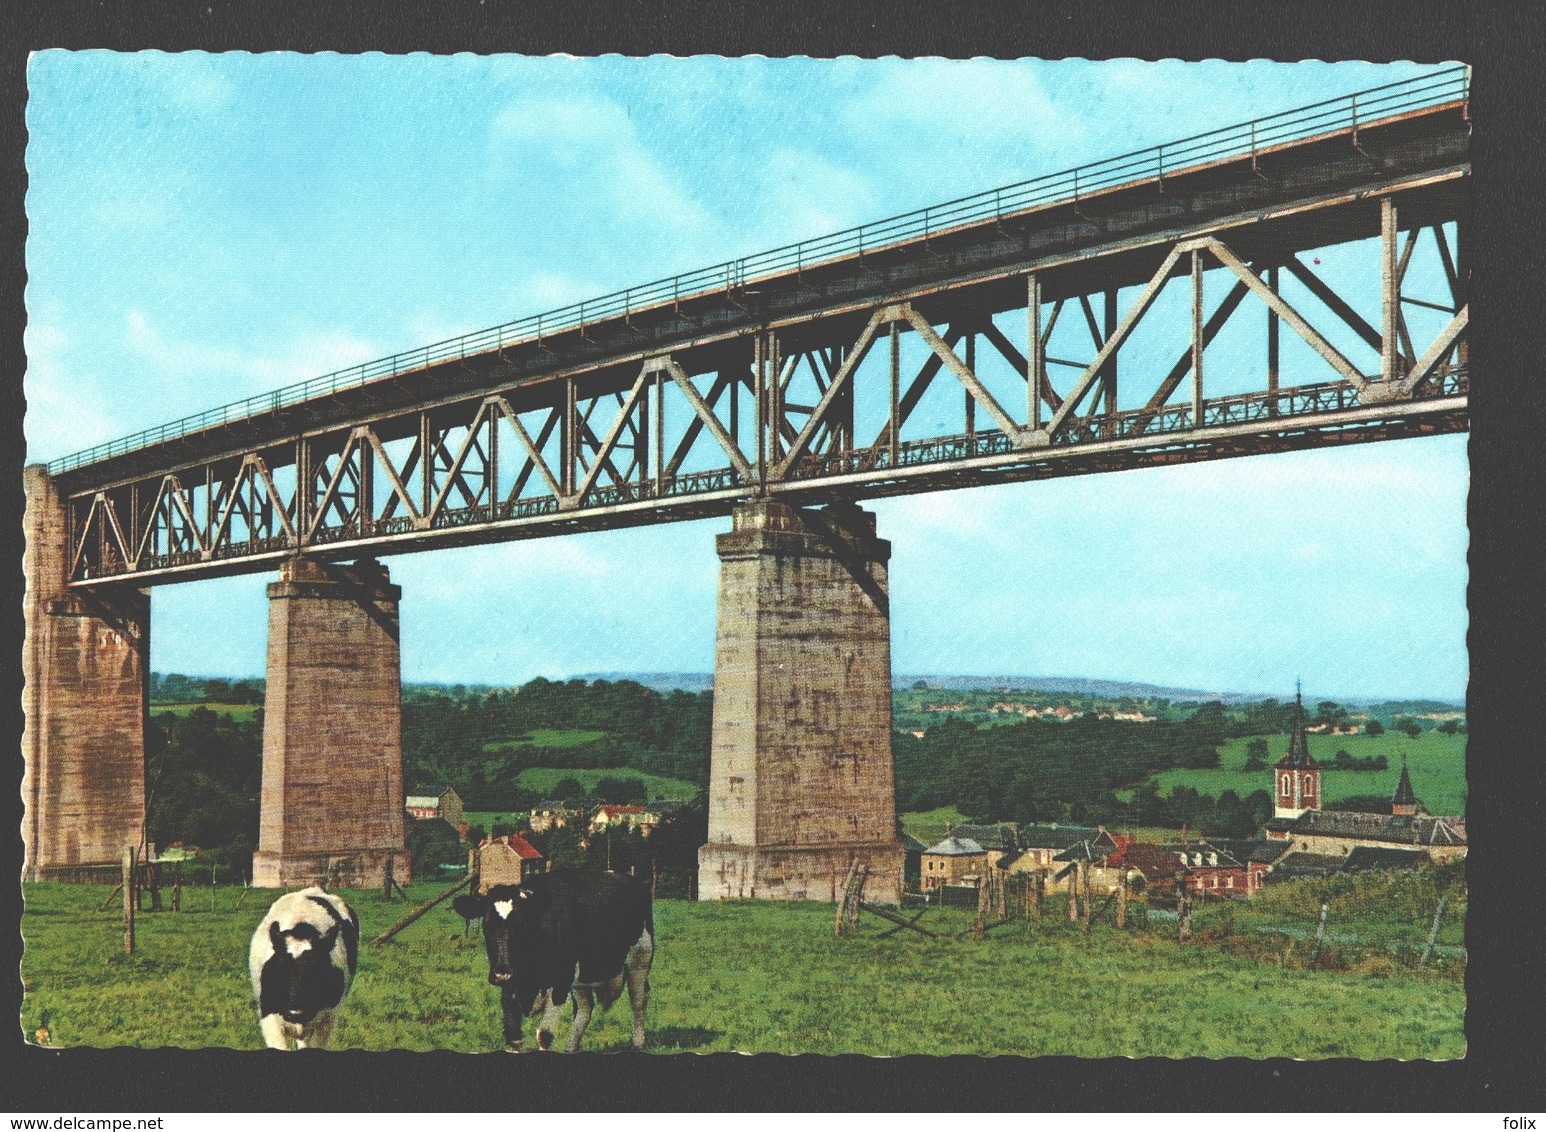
301	977
511	936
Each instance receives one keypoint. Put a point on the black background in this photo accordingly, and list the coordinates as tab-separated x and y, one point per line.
1501	1072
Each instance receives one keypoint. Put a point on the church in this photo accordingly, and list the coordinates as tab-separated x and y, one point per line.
1297	816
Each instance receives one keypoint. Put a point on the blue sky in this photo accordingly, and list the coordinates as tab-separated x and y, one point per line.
205	227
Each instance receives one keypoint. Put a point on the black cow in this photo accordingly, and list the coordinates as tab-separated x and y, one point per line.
592	933
302	962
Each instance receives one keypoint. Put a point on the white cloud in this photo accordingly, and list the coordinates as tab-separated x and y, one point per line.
586	146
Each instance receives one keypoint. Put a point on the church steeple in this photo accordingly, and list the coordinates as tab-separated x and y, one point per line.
1297	775
1405	800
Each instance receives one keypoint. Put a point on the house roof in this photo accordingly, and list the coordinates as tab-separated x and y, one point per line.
1302	864
999	838
911	844
1398	829
522	847
1088	850
1380	857
426	791
1149	859
1055	836
954	846
1008	859
1205	855
423	801
551	804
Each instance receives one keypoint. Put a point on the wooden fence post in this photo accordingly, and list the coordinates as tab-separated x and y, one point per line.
1433	932
386	878
1086	868
177	888
1041	891
1122	899
1320	932
153	876
983	897
1073	893
128	900
1000	893
1183	910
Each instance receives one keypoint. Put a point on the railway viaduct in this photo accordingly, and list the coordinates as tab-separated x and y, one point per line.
781	390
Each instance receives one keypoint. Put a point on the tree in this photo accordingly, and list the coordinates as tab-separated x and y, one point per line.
433	842
1374	727
1448	727
567	788
564	848
1256	755
1409	725
619	791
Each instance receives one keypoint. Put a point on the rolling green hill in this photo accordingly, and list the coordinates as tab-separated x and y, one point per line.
1436	761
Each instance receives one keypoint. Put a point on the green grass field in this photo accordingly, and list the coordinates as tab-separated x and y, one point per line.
748	977
239	712
544	778
928	826
1437	765
546	737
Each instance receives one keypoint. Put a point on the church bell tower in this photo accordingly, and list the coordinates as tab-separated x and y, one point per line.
1297	776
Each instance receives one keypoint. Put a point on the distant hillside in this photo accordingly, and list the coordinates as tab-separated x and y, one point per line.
1077	685
658	681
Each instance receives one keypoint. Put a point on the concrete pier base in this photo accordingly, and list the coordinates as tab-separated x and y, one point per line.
85	661
332	804
801	782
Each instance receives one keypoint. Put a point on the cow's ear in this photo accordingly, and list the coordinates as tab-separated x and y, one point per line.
276	938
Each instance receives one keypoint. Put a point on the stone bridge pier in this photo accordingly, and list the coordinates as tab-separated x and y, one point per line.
801	782
332	803
85	660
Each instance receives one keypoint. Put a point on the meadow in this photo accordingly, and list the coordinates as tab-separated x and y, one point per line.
1436	761
756	978
239	712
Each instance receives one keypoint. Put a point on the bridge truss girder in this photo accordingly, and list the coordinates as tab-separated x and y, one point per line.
821	407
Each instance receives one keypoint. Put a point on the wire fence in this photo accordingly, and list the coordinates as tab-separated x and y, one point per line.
1244	140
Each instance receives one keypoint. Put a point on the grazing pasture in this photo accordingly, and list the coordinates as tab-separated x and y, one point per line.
750	977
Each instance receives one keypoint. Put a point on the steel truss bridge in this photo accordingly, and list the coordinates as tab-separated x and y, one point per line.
800	374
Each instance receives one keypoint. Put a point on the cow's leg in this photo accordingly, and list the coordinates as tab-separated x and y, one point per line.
584	1003
513	1020
547	1028
272	1027
319	1035
636	972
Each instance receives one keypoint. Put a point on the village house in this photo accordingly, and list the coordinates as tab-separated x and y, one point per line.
506	860
427	802
1040	843
1159	868
1213	871
628	817
549	814
996	840
955	860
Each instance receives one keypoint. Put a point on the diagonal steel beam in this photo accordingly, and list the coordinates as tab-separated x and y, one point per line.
1440	346
328	499
860	348
963	374
1287	313
1014	357
1139	308
533	451
1338	306
1183	364
604	452
399	489
453	473
695	426
706	414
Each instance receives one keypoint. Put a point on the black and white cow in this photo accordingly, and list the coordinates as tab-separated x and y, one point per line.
569	930
302	963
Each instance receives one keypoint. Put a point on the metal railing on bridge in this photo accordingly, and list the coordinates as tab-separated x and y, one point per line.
1247	139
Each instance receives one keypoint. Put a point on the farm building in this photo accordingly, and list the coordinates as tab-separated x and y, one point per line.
506	860
1362	858
643	818
952	861
428	802
1040	843
996	840
1212	870
552	813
